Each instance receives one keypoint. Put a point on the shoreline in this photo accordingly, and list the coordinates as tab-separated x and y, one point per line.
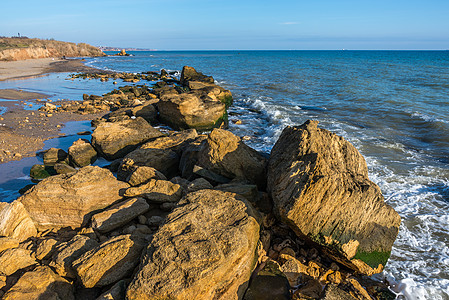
17	140
23	69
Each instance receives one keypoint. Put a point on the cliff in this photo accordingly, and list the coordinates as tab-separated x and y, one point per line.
25	48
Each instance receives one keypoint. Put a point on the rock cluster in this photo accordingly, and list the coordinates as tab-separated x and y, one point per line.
198	216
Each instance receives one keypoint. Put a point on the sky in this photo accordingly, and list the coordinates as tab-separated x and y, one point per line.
234	25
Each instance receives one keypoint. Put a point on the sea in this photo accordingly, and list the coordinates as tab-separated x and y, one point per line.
393	106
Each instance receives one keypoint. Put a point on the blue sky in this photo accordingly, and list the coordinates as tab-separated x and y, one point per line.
222	25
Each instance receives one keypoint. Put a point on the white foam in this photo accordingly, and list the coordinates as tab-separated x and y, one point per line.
428	118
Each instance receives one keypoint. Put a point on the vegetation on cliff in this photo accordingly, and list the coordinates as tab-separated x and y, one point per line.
15	48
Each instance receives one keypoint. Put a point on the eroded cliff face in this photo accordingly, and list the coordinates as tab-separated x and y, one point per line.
33	48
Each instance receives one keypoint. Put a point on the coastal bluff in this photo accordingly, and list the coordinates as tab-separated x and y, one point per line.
186	210
12	49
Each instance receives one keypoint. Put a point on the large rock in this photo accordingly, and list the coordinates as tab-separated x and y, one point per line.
8	243
110	261
158	191
165	161
146	111
188	110
269	284
67	252
212	91
15	221
143	174
190	74
116	292
206	249
161	154
119	214
41	283
176	141
320	188
53	156
116	139
70	199
225	154
81	153
15	259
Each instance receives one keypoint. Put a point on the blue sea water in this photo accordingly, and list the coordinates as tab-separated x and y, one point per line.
392	105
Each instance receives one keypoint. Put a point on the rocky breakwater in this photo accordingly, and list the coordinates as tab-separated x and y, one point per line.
189	216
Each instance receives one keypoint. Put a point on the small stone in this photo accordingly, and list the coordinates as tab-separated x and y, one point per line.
155	221
130	229
142	219
167	206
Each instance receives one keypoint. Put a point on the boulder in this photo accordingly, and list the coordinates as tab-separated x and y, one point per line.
225	154
146	111
110	261
67	252
161	154
39	172
63	168
206	249
269	284
54	155
158	191
190	74
116	292
114	140
320	188
333	292
188	110
45	247
70	199
81	153
119	214
41	283
15	221
15	259
143	174
212	91
198	184
176	141
248	191
165	161
8	243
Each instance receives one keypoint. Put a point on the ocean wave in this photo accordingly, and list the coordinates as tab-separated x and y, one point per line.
428	118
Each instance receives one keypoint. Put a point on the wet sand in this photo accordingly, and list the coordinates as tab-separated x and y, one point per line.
34	67
23	132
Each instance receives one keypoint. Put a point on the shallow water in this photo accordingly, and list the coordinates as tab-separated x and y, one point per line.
392	105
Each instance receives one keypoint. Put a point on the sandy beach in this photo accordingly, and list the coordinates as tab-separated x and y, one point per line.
34	67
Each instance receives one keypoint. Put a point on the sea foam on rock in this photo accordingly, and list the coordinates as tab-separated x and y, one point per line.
320	188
